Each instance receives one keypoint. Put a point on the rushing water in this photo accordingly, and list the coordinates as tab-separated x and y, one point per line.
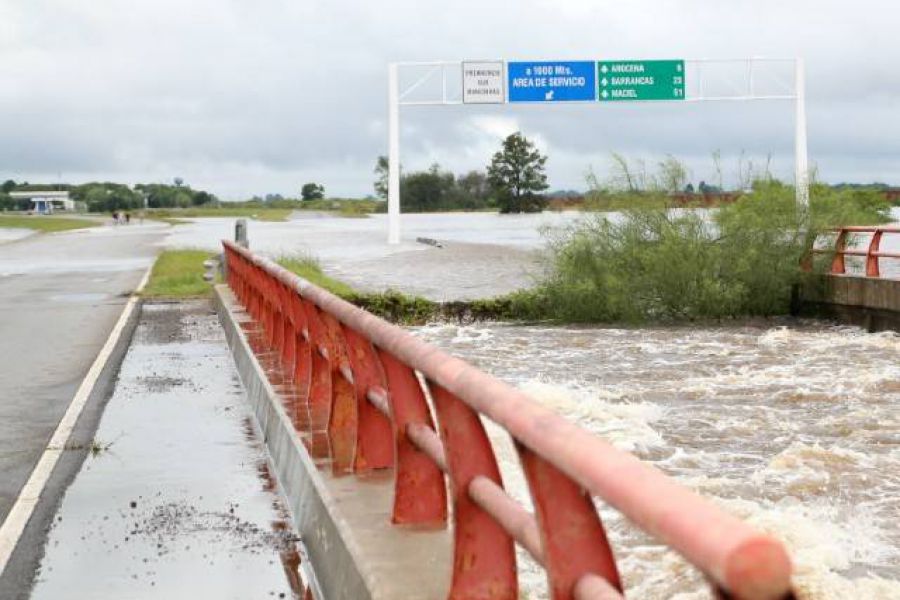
793	425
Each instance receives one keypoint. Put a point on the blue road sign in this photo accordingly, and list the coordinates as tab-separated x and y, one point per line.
552	81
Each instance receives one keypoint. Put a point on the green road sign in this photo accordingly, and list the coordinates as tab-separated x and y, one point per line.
623	80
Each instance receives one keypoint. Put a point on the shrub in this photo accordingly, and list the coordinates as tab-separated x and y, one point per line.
653	263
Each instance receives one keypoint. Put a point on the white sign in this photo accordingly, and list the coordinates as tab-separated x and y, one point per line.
483	82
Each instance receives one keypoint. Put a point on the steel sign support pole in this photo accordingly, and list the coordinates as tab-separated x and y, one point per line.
801	160
393	155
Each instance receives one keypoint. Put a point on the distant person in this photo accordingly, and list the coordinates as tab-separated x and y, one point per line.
128	218
115	217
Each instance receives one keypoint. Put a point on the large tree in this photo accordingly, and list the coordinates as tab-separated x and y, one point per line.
312	191
517	177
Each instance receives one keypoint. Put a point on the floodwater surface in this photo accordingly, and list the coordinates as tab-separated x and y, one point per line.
793	426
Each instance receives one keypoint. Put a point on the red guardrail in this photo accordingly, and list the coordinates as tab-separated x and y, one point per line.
841	250
365	384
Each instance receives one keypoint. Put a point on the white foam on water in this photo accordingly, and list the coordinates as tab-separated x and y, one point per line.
777	337
626	425
825	541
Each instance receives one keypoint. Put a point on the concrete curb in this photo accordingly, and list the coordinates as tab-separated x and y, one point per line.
344	522
866	302
326	536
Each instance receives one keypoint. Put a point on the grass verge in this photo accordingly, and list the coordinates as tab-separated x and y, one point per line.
44	223
406	309
172	215
178	274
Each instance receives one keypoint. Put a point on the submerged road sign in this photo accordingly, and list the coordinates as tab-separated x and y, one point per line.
552	81
640	80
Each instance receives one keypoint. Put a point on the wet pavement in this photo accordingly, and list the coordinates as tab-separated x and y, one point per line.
60	295
8	234
175	499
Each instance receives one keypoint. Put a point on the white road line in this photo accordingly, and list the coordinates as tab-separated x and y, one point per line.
14	525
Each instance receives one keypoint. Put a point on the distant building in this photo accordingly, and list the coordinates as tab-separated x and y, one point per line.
46	203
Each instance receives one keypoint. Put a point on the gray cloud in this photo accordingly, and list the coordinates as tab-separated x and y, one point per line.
246	98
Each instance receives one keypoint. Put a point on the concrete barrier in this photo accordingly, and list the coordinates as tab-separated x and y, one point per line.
868	302
354	550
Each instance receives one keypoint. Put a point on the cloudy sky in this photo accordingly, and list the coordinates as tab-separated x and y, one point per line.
252	97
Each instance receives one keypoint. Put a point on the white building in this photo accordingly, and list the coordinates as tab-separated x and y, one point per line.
47	202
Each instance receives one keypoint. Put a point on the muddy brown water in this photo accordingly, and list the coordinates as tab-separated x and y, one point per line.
792	425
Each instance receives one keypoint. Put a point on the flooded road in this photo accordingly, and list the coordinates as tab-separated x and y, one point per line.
175	499
794	426
483	254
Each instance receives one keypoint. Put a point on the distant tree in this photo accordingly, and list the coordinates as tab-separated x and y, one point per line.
8	186
178	181
107	196
381	181
472	190
517	177
200	198
427	191
160	195
312	191
672	175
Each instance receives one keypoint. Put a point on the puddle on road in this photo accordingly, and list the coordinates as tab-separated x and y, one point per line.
178	502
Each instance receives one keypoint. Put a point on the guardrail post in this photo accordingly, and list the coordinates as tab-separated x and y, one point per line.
240	233
343	422
872	269
572	536
420	493
484	558
374	436
840	244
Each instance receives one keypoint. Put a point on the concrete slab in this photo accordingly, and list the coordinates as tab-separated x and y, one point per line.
175	499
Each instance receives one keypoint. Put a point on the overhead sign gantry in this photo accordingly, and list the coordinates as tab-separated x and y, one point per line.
593	82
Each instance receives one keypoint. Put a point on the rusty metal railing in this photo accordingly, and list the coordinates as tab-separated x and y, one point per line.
843	247
366	385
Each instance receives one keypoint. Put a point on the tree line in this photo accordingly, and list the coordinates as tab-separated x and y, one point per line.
511	183
108	196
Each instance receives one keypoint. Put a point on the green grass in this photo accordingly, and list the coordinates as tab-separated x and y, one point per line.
247	212
169	220
178	274
407	309
309	268
44	223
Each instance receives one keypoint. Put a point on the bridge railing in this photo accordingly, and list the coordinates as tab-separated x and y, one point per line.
370	389
846	243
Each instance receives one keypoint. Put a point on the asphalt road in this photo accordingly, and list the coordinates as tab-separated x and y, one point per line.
60	296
